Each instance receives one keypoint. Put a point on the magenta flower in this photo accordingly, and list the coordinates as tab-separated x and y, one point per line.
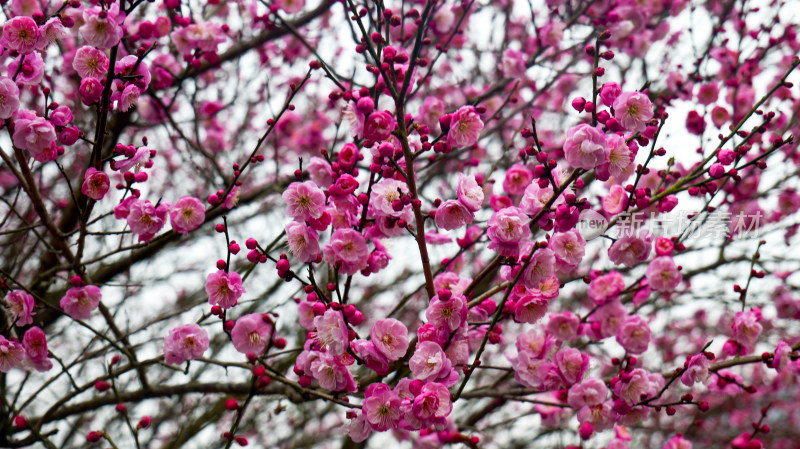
452	214
447	314
21	305
517	179
304	201
433	401
146	220
588	392
390	337
640	385
382	409
616	201
571	363
539	269
91	90
585	147
332	334
35	134
379	126
696	370
384	195
20	34
101	32
224	289
372	357
465	127
332	374
508	229
186	342
536	373
746	328
606	287
633	110
347	250
631	248
470	194
9	97
535	198
187	214
609	93
663	275
530	309
90	62
428	361
564	326
11	354
634	335
303	241
32	71
251	333
79	302
95	184
535	344
35	344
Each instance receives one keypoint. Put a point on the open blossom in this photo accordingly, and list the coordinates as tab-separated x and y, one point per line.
303	241
606	287
428	361
508	230
470	194
101	32
35	344
331	374
348	250
663	275
677	442
452	214
9	97
588	392
571	363
746	327
187	342
536	373
20	34
290	6
251	333
631	248
432	108
568	247
537	345
91	62
146	220
304	201
390	337
634	335
205	36
539	269
372	357
530	309
95	184
564	326
224	289
696	370
465	127
517	179
384	195
31	72
585	147
535	198
616	201
620	158
640	386
35	134
21	306
12	354
79	302
382	409
50	32
633	110
332	332
447	312
187	214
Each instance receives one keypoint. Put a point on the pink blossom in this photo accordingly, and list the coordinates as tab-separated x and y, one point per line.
61	116
303	241
35	344
620	158
517	179
372	357
20	34
224	288
428	361
539	269
379	126
536	373
606	287
571	363
633	110
146	220
50	32
79	302
320	171
390	337
640	385
588	392
508	229
585	147
535	198
432	108
205	36
90	62
358	429
252	333
677	442
535	344
607	319
634	335
708	93
127	98
609	93
470	194
347	250
101	32
564	326
382	409
568	247
513	63
384	196
35	134
631	248
91	90
332	334
290	6
304	201
465	127
21	305
32	71
332	374
746	327
452	214
187	214
95	184
663	275
9	97
186	342
11	354
616	201
696	370
447	312
131	65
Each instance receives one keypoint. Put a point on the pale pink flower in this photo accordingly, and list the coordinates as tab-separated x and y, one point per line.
513	63
358	429
11	354
290	6
251	333
146	220
100	32
663	275
332	374
303	241
320	171
536	373
633	110
449	313
640	386
535	198
452	214
205	36
382	409
95	184
35	134
470	194
607	319
50	32
304	201
571	363
429	113
383	196
631	248
379	126
564	326
616	201
79	302
517	179
530	309
125	66
428	361
390	337
433	401
9	97
746	328
187	214
588	392
186	342
620	158
782	360
539	269
20	34
569	247
465	127
127	98
634	335
585	147
332	332
91	62
537	345
140	159
696	370
677	442
508	230
348	250
21	305
606	287
35	344
224	289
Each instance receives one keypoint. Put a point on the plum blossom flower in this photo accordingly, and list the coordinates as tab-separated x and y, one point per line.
304	201
620	158
79	302
358	429
633	110
9	97
470	194
251	333
606	287
433	401
588	392
429	113
146	220
517	179
186	342
663	275
452	214
187	214
631	247
205	36
746	327
465	127
428	361
224	289
696	370
100	28
530	309
21	305
20	34
290	6
571	363
616	200
536	373
348	250
91	90
332	374
564	326
372	357
568	247
332	332
634	335
379	126
609	93
677	442
35	344
382	409
639	386
390	337
508	229
95	184
90	62
303	241
585	147
31	72
35	134
384	195
12	354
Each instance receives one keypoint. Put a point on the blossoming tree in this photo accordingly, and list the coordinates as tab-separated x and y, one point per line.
353	223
